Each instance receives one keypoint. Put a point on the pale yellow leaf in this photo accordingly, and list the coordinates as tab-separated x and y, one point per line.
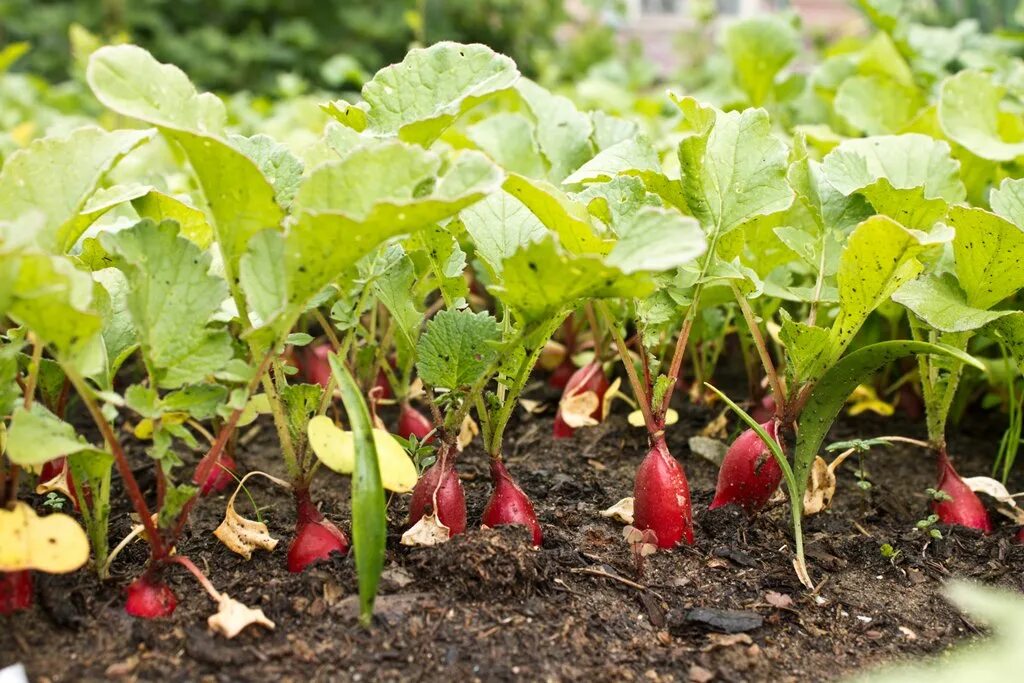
335	448
426	532
622	511
54	544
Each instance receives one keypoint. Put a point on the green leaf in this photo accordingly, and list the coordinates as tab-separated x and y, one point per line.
57	176
941	303
278	165
540	279
733	167
617	201
420	97
128	80
907	161
988	251
239	199
160	207
37	436
172	300
446	260
369	513
394	288
633	156
808	348
561	214
656	240
879	257
201	401
508	138
176	496
970	114
54	299
456	348
1008	200
120	338
830	209
562	131
834	387
499	225
371	195
261	274
759	48
877	105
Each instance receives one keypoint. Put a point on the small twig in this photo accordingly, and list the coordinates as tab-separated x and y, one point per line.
606	575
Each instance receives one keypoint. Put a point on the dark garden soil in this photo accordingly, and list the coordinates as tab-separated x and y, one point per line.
487	607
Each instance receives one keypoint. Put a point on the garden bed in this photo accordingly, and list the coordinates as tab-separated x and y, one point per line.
488	607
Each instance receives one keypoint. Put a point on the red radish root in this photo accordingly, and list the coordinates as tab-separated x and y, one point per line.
764	410
412	422
149	598
749	474
315	539
508	503
588	378
441	478
313	364
965	508
219	477
560	376
15	591
661	497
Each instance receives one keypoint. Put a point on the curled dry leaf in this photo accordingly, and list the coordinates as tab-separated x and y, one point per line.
621	511
578	409
59	483
533	407
991	487
426	532
468	430
243	535
232	617
821	487
717	428
778	600
54	544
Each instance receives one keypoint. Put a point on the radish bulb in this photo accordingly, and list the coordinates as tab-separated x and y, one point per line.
411	422
313	364
965	508
149	598
764	410
315	539
219	477
749	474
582	400
15	591
661	497
508	503
442	479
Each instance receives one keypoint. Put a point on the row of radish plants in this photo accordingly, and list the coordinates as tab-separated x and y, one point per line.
166	280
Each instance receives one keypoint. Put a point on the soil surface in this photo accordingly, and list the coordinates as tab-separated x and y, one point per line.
488	607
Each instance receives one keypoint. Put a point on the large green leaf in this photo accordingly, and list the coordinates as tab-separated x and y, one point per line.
509	139
906	161
733	167
970	114
172	298
656	239
55	300
238	197
369	508
1008	200
371	195
37	436
988	251
879	257
421	96
834	387
56	176
540	279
